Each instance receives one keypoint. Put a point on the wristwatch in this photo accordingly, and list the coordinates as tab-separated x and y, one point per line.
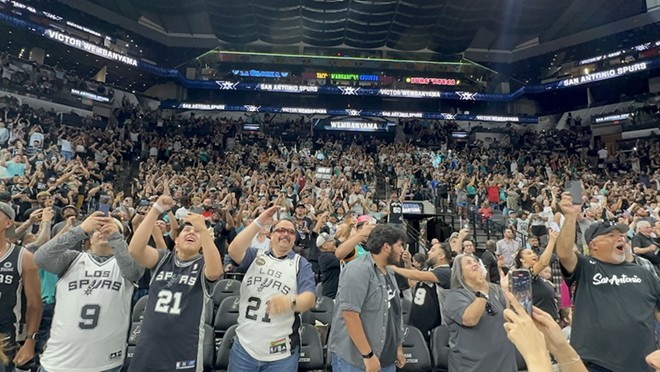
368	355
32	337
480	294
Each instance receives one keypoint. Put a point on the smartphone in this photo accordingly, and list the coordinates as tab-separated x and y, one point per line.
576	190
521	288
552	226
104	205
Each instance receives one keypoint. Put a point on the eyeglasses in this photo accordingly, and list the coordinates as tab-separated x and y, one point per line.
283	230
490	310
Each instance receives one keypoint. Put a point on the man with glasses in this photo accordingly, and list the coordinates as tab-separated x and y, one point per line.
277	287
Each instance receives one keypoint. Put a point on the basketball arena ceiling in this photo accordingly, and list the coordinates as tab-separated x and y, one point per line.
443	26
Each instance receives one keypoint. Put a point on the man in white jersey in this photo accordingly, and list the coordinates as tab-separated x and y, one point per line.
92	297
179	292
277	287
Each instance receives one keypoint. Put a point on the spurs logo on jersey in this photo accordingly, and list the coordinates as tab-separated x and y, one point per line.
268	278
95	279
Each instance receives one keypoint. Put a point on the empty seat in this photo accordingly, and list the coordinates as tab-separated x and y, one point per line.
223	289
322	311
440	348
311	349
138	309
222	356
226	316
405	309
136	329
415	350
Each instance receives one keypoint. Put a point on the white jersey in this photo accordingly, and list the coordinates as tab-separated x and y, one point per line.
268	338
91	319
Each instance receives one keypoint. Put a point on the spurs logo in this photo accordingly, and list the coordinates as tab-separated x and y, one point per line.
466	96
226	85
349	91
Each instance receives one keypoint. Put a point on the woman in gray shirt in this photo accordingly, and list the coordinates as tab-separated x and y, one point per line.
473	310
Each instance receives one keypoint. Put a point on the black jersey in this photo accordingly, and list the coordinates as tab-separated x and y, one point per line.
11	289
173	328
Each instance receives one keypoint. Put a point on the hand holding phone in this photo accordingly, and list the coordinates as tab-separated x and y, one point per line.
521	288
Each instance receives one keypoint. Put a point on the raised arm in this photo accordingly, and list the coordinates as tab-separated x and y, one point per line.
242	241
544	260
566	239
349	245
142	253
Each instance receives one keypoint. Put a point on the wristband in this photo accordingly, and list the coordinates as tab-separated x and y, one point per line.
368	355
159	208
259	224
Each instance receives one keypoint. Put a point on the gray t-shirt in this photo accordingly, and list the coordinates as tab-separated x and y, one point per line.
472	347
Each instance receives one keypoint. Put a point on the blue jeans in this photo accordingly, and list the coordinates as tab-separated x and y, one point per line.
241	361
340	365
116	369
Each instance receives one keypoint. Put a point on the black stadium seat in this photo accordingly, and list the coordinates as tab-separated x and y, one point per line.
415	350
209	347
222	356
138	309
311	349
440	348
223	289
322	311
226	316
129	356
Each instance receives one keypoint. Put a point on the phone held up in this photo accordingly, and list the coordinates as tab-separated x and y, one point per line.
576	190
104	204
521	288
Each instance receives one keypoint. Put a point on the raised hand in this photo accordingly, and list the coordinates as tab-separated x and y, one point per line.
197	221
266	217
94	222
567	206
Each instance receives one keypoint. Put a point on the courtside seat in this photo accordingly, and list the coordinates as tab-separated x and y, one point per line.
226	316
440	348
311	349
415	350
223	289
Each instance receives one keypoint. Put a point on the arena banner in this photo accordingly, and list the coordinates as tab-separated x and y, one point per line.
173	105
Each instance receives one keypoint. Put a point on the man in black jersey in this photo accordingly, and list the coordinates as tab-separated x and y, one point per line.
172	331
18	277
425	312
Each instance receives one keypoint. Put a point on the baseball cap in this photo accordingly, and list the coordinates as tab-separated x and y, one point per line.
69	207
324	238
11	214
5	196
602	228
300	205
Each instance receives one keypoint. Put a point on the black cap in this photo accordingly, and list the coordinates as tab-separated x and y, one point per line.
602	228
5	196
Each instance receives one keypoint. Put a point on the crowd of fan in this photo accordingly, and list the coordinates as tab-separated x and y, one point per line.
212	168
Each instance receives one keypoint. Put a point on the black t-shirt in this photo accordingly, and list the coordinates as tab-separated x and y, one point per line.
613	321
330	269
396	212
490	262
543	296
425	308
642	241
